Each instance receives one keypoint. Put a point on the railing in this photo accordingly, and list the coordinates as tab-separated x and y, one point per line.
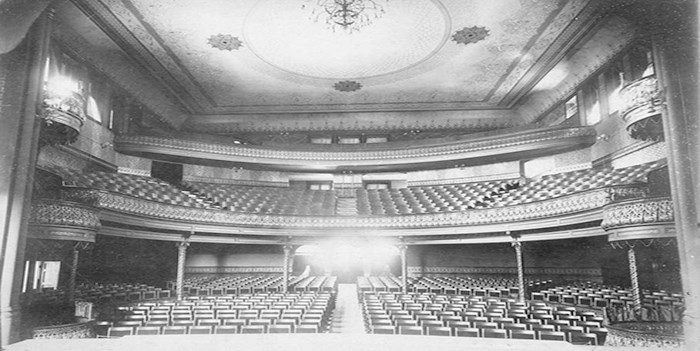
644	211
642	101
61	219
618	335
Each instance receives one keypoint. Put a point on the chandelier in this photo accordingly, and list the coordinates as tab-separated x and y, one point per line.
346	15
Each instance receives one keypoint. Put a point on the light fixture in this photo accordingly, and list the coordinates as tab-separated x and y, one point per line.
347	15
62	110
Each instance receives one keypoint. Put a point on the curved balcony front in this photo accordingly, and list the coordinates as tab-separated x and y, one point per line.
437	153
642	101
63	220
484	225
639	219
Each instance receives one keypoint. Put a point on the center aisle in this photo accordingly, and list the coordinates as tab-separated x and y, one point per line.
347	317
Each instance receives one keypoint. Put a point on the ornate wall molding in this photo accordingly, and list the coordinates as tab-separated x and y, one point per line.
557	207
638	212
63	220
543	140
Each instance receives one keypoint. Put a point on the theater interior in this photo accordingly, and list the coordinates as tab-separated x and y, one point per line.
349	174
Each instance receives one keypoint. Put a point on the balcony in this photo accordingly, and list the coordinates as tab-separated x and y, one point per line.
63	220
645	218
641	109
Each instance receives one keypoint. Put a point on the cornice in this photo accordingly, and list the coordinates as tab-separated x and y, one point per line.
505	146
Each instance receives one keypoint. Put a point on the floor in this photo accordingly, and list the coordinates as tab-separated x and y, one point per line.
347	317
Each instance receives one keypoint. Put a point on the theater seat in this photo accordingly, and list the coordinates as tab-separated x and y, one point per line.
466	332
226	329
439	331
577	338
383	329
495	333
174	330
116	332
552	335
523	334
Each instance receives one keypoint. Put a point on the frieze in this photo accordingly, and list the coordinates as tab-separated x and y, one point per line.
570	204
645	211
451	148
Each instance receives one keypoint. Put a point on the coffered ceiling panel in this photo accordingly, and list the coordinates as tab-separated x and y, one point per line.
270	56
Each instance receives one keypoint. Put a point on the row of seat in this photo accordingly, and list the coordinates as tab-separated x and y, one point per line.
249	313
101	293
449	315
215	285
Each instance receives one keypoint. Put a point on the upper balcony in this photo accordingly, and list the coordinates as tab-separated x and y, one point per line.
400	156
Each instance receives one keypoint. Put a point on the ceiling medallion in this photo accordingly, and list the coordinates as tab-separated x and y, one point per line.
347	15
347	86
470	35
225	42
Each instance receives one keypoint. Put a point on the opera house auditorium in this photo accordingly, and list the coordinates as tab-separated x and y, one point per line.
349	175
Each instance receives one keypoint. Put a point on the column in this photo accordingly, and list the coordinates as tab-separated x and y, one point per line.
632	260
21	82
675	55
285	267
181	256
73	274
404	269
521	273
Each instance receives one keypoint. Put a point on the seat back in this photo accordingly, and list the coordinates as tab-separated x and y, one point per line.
439	331
383	329
466	332
116	332
174	330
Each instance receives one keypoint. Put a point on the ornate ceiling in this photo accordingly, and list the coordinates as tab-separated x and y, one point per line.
222	57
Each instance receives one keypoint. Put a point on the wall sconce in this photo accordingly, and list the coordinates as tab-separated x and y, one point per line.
602	137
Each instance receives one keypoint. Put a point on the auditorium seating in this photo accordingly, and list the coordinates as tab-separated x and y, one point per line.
657	305
297	312
102	293
138	186
213	285
270	200
373	202
477	316
562	184
483	285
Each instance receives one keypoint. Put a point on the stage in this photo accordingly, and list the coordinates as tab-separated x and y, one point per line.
308	342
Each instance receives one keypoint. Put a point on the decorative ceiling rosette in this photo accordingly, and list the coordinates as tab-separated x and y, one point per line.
469	35
225	42
347	86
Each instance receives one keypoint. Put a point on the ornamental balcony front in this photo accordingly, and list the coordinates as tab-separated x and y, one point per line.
391	156
642	106
63	220
639	219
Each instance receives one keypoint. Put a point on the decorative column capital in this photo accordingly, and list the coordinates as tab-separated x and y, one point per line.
516	243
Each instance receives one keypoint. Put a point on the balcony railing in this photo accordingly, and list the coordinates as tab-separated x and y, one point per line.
642	101
644	211
64	220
